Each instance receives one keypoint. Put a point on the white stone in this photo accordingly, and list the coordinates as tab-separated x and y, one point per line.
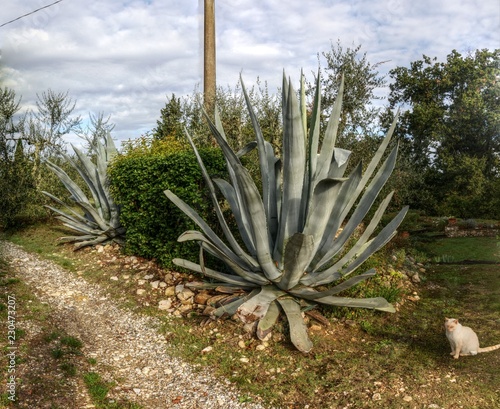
165	304
207	350
141	291
185	294
155	284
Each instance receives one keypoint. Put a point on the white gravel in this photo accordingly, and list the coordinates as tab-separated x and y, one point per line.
127	346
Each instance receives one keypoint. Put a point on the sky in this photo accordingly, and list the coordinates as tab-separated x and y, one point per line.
125	58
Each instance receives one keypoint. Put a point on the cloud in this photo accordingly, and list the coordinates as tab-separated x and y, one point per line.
124	58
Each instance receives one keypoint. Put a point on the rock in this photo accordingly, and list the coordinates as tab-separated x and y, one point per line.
202	298
148	276
242	344
208	310
377	396
114	278
162	284
315	328
141	291
170	291
165	304
260	347
100	249
206	350
407	398
244	360
155	284
185	308
185	294
141	282
212	301
415	278
179	288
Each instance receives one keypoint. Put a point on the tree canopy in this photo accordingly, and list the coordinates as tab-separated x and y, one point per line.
450	130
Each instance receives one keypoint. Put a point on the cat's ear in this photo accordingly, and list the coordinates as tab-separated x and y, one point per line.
455	321
446	319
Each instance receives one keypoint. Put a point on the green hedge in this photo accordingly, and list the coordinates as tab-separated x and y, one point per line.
153	223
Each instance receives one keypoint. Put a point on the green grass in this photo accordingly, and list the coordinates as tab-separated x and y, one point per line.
463	248
99	389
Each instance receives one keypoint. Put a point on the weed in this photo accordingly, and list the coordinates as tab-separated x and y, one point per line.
97	388
51	337
57	353
68	368
71	342
445	258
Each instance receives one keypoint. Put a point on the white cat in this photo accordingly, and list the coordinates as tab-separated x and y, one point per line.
463	340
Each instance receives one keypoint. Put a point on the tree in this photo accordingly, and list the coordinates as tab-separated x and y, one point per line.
17	190
359	118
44	128
170	122
187	113
96	131
450	125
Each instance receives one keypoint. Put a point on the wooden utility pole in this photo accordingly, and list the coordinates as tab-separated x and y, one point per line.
209	65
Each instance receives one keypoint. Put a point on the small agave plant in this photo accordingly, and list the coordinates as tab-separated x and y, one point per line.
297	253
99	219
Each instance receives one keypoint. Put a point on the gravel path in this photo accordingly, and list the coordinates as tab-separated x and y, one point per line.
126	345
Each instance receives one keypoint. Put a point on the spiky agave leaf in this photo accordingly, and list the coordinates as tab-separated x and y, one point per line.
290	230
100	221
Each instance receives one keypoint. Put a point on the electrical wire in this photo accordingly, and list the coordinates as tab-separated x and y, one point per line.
30	13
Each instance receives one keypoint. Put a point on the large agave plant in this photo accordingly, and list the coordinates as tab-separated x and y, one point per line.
297	253
99	219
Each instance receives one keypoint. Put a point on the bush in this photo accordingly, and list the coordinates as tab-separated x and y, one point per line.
153	223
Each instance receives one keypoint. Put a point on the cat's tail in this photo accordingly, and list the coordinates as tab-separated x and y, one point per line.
488	349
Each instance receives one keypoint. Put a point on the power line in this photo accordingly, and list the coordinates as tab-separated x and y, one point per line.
32	12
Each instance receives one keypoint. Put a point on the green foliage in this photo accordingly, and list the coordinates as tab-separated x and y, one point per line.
293	257
187	113
359	117
138	179
449	132
24	143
